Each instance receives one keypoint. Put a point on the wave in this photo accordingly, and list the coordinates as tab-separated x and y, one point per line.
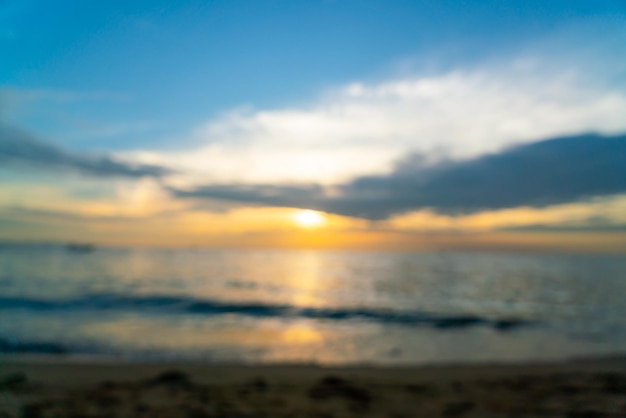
36	347
208	307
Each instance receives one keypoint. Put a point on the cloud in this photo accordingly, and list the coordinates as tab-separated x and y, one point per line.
363	127
26	213
602	213
553	171
20	148
29	213
569	228
265	194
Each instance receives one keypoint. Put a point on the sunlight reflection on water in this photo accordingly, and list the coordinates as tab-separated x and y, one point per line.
311	306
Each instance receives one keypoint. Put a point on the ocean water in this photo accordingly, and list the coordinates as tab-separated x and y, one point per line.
324	307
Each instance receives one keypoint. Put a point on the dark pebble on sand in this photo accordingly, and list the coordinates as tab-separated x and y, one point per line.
571	389
457	386
141	408
333	381
33	410
108	385
171	378
454	409
613	383
332	386
198	413
105	400
587	414
419	389
13	381
519	383
259	384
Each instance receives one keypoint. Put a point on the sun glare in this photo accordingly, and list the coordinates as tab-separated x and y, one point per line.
309	218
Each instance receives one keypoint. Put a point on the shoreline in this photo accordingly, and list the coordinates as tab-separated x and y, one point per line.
41	386
96	368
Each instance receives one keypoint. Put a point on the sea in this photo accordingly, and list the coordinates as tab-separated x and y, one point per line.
321	307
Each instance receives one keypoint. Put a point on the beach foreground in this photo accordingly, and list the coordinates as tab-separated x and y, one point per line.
71	388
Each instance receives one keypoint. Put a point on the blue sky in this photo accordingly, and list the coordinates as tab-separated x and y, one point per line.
211	105
149	70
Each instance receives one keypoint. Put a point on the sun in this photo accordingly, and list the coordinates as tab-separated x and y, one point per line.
309	218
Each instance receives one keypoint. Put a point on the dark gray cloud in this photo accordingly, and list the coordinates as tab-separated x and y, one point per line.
263	194
24	213
21	148
616	227
548	172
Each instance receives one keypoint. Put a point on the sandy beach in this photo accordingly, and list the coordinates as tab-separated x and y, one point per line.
41	387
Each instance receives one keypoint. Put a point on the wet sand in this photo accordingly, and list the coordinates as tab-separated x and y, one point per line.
43	387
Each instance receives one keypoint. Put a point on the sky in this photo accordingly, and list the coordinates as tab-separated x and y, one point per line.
412	125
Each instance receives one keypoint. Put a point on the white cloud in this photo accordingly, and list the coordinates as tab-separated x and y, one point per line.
362	128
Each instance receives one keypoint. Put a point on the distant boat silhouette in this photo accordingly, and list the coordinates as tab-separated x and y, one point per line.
80	247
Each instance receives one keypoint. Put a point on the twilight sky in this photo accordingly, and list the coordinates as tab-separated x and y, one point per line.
403	124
